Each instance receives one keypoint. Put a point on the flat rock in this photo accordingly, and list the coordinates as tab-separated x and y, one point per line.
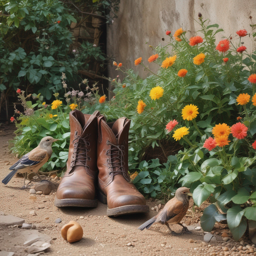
8	220
208	237
45	186
4	253
26	226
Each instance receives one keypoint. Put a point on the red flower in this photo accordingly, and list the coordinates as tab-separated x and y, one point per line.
195	40
120	65
241	49
210	143
223	45
168	32
242	32
254	144
239	131
225	59
171	125
58	21
152	58
18	91
12	119
252	78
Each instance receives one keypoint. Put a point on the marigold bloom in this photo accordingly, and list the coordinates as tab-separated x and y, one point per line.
168	62
12	119
238	118
239	131
73	106
243	99
182	72
134	175
141	106
254	100
180	133
102	99
152	58
221	130
241	49
177	34
190	112
199	59
58	21
18	91
124	85
222	141
195	40
137	61
254	144
120	65
51	115
56	104
225	59
252	78
43	103
156	93
223	45
170	126
114	63
210	143
242	32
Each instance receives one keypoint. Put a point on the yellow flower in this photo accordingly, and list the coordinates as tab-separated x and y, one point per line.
43	103
254	100
73	106
51	115
134	175
168	62
177	34
55	115
189	112
243	99
56	104
179	133
141	106
221	130
199	59
156	93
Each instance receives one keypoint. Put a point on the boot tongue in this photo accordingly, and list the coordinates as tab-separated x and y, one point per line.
118	127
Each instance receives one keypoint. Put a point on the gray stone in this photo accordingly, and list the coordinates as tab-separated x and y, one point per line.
38	246
32	191
26	226
208	237
8	220
58	220
45	186
4	253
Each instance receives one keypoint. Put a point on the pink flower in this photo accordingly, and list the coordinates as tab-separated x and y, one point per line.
254	144
18	91
171	125
239	131
210	144
12	119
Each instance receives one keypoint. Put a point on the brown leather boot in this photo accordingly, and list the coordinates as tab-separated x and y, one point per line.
77	187
112	160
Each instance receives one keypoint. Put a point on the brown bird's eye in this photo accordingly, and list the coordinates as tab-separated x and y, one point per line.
48	140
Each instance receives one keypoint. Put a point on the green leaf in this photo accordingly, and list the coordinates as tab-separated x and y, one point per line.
26	129
230	177
34	29
143	174
190	178
239	231
234	216
253	128
253	195
210	216
22	73
66	135
201	193
2	87
209	163
145	181
48	64
241	197
53	127
207	97
250	213
226	197
65	124
213	26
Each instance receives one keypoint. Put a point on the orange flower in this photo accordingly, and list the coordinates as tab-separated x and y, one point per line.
239	131
152	58
243	99
199	59
242	32
58	21
141	106
254	100
225	59
221	130
177	34
182	72
168	62
241	49
137	61
238	118
223	45
124	85
252	78
120	65
114	63
195	40
102	99
222	141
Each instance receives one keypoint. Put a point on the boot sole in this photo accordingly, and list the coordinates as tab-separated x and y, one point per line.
121	210
71	202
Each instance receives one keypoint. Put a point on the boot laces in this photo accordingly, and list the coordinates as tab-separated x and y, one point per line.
81	148
116	160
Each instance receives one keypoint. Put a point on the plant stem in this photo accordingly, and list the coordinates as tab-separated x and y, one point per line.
194	122
152	72
187	140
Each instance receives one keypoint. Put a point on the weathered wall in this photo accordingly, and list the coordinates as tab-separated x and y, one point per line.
146	21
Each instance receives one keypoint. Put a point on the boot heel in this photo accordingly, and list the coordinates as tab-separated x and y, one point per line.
101	197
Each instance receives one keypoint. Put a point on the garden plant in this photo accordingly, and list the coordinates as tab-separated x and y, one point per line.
201	101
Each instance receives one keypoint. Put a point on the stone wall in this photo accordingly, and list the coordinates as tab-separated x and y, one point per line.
141	23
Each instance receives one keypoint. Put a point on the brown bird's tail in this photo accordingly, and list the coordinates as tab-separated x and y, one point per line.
147	224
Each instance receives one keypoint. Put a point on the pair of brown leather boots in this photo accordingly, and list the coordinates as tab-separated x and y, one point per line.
98	166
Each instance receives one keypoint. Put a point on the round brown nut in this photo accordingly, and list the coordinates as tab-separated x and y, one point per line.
72	232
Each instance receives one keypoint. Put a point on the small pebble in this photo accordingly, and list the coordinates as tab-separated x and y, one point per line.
225	249
26	226
33	213
191	241
129	244
39	192
32	191
198	228
58	220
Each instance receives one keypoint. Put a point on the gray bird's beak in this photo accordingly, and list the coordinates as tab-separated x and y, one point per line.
55	140
190	194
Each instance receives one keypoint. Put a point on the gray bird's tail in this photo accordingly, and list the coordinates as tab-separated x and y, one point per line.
147	224
8	177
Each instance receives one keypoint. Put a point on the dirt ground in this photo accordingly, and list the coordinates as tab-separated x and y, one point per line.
102	235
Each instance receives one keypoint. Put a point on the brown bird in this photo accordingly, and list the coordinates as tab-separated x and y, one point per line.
173	212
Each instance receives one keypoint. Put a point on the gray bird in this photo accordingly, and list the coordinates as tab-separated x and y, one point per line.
32	161
173	212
